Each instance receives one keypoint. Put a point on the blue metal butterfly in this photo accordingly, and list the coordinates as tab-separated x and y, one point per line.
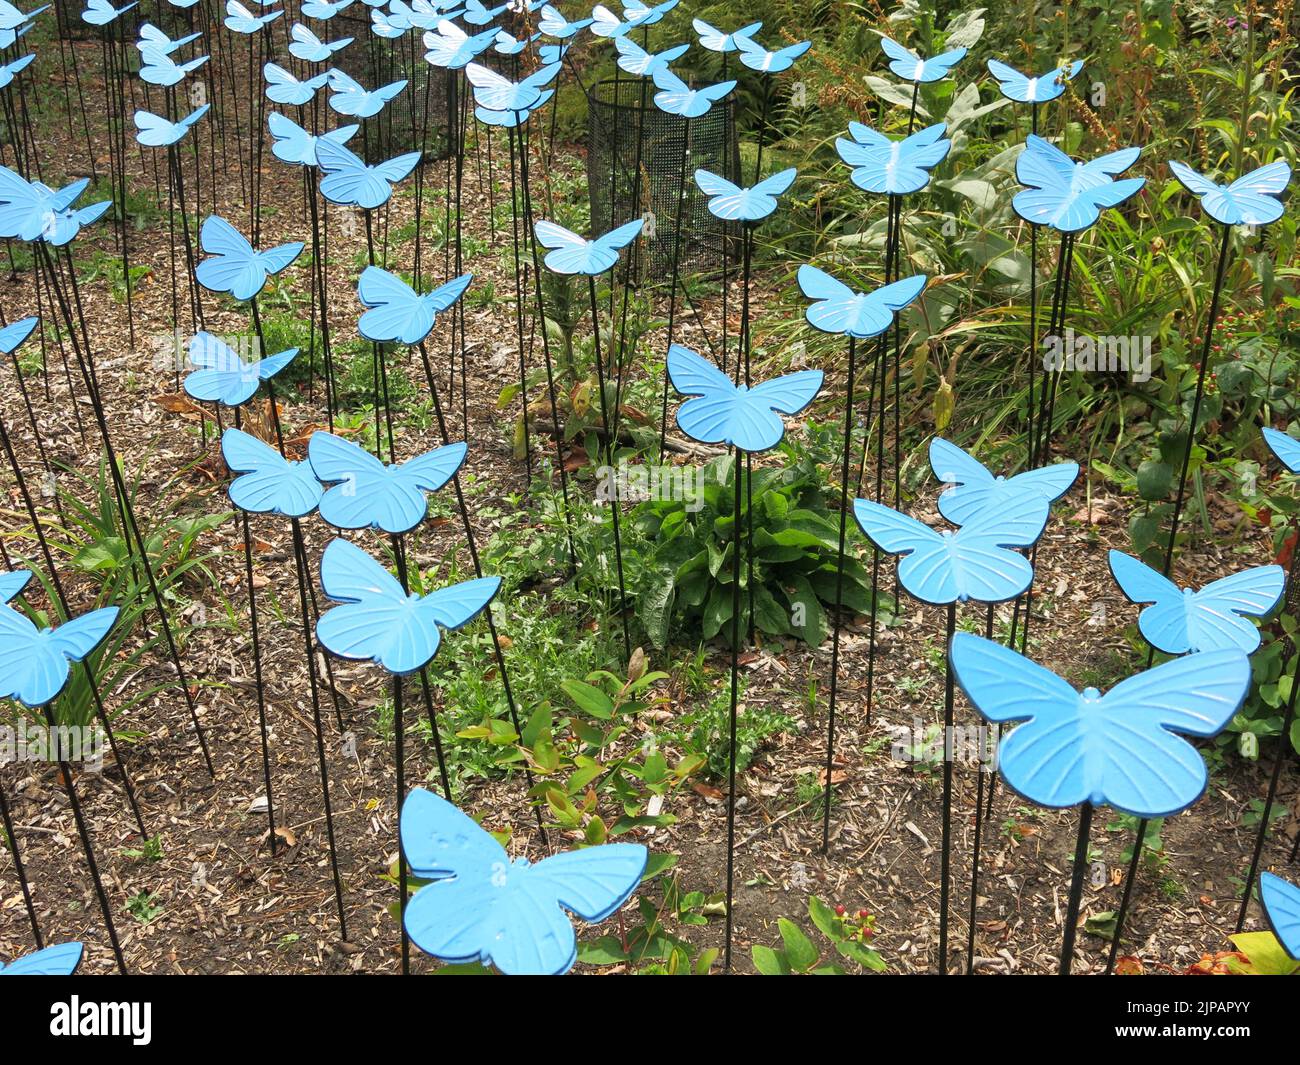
730	202
8	38
1066	195
380	622
554	24
369	494
1033	90
1252	200
323	10
604	23
101	12
551	53
1281	901
452	48
1210	619
293	144
478	15
736	414
153	131
235	265
152	37
505	43
159	68
33	211
351	183
418	13
15	334
572	254
498	93
715	40
223	377
510	119
283	88
11	70
975	491
269	483
59	960
483	906
1123	748
240	20
349	97
305	45
756	57
895	167
1285	447
399	313
911	67
11	18
973	563
34	663
677	98
638	13
388	26
836	308
637	61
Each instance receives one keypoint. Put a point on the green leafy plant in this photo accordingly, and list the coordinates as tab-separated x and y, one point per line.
850	939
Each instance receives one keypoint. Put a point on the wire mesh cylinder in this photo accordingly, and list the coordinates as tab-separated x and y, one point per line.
635	164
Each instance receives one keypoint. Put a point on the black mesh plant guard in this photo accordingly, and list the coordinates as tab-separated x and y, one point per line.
620	113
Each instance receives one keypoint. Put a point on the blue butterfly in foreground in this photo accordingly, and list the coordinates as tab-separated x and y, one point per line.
154	131
293	144
59	960
11	18
972	563
836	308
380	622
715	40
349	182
349	97
483	906
911	67
15	334
572	254
33	211
34	662
159	68
756	57
1122	748
974	490
727	413
1066	195
1251	200
1033	90
1285	447
223	377
369	494
677	98
9	71
1210	619
306	46
235	265
399	313
895	167
498	93
1281	901
730	202
268	482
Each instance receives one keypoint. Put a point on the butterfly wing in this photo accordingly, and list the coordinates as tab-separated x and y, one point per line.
363	494
16	333
1285	447
834	307
903	61
290	142
1217	615
930	575
42	674
12	583
430	471
1014	85
269	483
971	484
373	611
1252	199
1282	907
440	841
569	253
447	295
396	311
715	414
603	251
1138	762
983	569
59	960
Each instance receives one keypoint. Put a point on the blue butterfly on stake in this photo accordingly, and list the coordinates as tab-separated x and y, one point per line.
911	67
293	144
452	48
482	906
8	38
677	98
1066	195
553	24
973	563
1281	901
1024	89
268	483
418	13
1285	447
240	20
572	254
11	18
9	71
731	203
349	97
152	37
478	15
715	40
604	23
888	166
33	211
379	622
551	53
974	490
368	494
389	27
59	960
756	57
510	119
639	14
323	10
838	309
349	182
101	12
159	68
727	413
14	335
506	44
635	60
222	376
305	45
1182	620
283	88
34	662
498	93
1252	200
235	266
154	131
1123	749
397	312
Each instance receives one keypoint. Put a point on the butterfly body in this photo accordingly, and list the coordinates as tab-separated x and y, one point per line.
911	67
675	97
